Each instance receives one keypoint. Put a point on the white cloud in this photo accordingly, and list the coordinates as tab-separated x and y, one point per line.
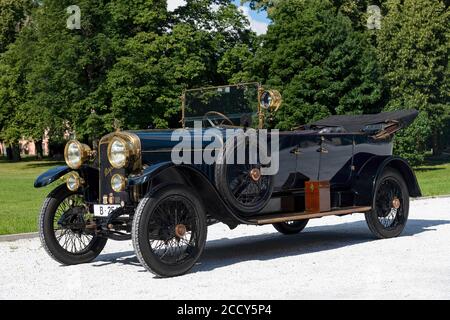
258	26
173	4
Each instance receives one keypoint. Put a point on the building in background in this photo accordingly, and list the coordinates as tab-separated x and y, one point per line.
27	147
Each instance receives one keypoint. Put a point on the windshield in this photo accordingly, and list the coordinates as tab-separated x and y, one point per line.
234	105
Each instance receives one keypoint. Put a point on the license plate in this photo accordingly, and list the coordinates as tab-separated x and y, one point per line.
104	210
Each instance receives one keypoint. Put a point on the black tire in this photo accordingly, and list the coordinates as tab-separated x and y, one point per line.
154	231
237	188
384	220
291	227
90	246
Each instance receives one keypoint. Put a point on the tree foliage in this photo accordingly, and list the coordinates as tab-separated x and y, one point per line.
131	60
13	16
410	68
413	49
320	62
153	69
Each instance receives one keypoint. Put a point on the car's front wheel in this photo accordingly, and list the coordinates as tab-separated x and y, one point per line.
169	230
62	228
390	208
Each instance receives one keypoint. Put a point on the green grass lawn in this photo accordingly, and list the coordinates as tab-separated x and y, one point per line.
20	202
434	177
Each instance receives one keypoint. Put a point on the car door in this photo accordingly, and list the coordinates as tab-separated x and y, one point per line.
299	159
336	156
308	157
285	178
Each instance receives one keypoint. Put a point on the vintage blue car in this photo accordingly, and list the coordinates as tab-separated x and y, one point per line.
142	185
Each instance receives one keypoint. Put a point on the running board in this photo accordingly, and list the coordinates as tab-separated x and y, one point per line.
274	218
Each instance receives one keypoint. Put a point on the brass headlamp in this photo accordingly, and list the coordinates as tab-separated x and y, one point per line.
76	153
124	151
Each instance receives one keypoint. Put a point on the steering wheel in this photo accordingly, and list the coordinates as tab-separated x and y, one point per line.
216	113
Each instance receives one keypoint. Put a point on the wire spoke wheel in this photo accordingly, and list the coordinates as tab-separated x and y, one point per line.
247	189
173	230
389	201
169	230
69	224
390	207
240	179
62	228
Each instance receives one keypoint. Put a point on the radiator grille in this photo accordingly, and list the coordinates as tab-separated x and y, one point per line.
106	173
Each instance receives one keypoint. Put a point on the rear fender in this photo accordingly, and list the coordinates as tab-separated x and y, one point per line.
365	181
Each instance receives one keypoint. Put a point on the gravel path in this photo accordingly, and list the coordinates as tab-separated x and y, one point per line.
333	258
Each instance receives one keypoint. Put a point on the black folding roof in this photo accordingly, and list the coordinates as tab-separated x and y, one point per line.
358	123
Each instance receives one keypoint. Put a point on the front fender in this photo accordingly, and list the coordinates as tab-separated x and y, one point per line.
149	173
51	176
88	173
168	172
365	182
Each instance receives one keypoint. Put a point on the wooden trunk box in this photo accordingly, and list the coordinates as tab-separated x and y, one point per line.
317	196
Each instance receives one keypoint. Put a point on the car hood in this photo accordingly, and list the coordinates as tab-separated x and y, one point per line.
157	145
161	139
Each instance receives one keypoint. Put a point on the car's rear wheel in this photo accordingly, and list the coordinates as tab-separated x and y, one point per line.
390	208
62	228
291	227
169	231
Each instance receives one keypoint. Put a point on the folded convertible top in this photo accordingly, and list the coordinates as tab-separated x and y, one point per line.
368	122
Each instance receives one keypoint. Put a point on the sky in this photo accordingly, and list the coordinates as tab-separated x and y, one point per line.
258	20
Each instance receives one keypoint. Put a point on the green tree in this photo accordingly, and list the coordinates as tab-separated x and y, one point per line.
13	16
129	62
154	67
51	71
356	10
322	64
413	49
13	67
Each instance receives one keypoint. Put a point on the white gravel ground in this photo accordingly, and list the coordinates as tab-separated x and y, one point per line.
333	258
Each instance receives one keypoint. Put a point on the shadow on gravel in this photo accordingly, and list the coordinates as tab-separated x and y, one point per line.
124	257
224	252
